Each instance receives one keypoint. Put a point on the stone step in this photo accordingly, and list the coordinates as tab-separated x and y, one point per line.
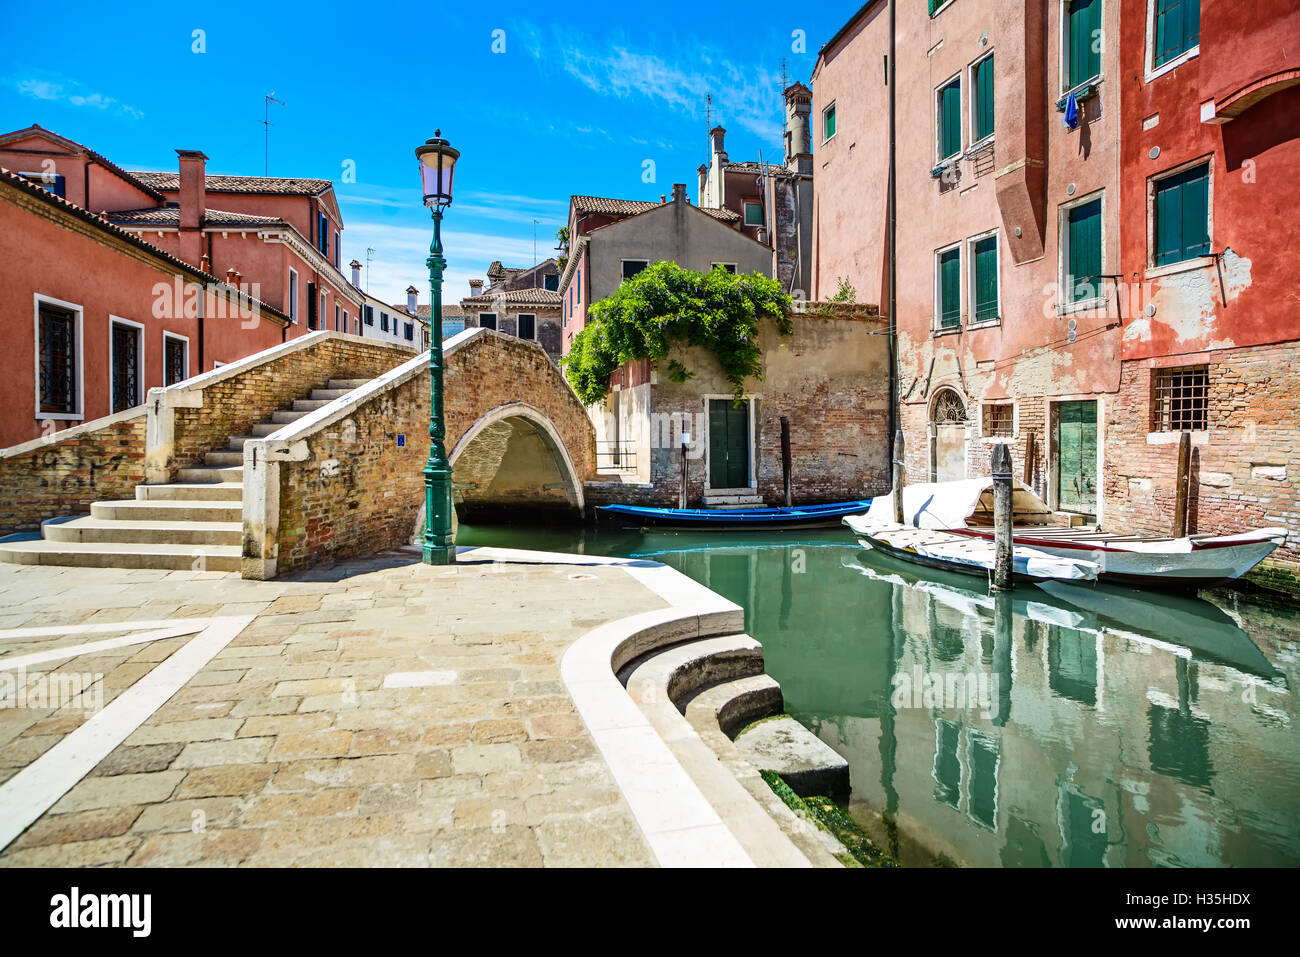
226	473
224	458
263	429
168	511
757	503
236	443
285	416
328	395
805	762
214	558
87	529
681	670
733	705
347	385
309	405
196	492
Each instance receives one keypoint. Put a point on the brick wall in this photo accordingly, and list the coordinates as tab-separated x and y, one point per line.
1244	467
62	475
234	404
358	491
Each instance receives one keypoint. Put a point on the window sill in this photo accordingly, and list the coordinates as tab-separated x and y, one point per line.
998	439
1186	265
1199	437
979	146
1175	63
938	331
61	416
985	323
1083	305
1082	93
945	164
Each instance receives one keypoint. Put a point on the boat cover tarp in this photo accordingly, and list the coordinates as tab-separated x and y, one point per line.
949	504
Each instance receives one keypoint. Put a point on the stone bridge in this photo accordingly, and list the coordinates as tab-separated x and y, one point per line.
348	478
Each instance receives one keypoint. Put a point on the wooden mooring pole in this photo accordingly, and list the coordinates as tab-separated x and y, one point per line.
900	477
1030	452
785	457
681	499
1002	517
1181	483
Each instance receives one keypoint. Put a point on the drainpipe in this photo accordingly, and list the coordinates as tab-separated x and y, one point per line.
893	239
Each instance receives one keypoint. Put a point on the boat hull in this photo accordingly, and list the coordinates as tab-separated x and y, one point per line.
733	519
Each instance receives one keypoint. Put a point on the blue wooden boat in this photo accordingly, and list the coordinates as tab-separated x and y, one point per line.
733	519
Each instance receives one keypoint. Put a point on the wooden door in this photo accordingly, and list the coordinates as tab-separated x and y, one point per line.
728	443
1076	456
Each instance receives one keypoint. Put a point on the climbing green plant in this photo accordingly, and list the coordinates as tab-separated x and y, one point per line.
665	305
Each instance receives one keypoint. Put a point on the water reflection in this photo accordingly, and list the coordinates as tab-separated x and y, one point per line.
1062	725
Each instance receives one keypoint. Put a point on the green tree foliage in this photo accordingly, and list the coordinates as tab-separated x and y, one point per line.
664	305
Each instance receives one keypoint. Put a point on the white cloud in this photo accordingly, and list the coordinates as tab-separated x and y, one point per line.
66	91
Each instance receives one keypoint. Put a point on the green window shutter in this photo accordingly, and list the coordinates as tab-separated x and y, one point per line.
1084	235
950	288
986	279
984	98
1178	28
828	123
1084	22
950	120
934	5
1182	216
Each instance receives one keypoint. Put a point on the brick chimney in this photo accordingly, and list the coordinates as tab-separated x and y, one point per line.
193	202
715	139
231	276
412	300
475	287
679	192
356	273
704	183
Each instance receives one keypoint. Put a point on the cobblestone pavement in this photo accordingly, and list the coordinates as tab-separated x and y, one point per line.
377	712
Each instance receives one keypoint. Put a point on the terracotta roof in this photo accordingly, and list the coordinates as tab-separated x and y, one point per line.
38	130
757	168
25	185
449	311
171	216
525	297
630	207
221	183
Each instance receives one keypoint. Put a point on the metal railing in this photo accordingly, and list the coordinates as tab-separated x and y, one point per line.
615	455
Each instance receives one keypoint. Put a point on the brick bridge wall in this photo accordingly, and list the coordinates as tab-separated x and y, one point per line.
343	486
66	471
234	401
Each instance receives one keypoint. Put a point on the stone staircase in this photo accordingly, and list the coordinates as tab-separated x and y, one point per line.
732	498
194	523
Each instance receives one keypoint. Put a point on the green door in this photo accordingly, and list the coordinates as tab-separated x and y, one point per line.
1076	456
728	443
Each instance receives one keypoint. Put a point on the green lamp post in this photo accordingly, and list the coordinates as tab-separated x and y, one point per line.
437	164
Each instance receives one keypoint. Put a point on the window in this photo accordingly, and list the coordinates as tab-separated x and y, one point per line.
948	111
370	315
947	293
725	267
338	318
1082	42
125	364
981	82
551	282
1177	29
53	182
176	358
633	266
323	234
312	315
1082	251
984	279
999	419
408	332
753	214
527	326
322	314
828	122
293	295
487	320
1179	399
383	321
346	326
1182	215
577	288
58	360
336	249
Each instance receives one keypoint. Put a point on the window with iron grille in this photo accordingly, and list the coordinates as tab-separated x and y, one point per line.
1180	399
999	419
58	361
175	361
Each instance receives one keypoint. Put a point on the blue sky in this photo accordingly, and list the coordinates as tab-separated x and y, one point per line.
572	106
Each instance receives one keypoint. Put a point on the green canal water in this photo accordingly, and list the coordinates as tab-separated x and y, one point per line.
1059	725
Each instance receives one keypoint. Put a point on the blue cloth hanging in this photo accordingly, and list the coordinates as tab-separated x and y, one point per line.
1071	113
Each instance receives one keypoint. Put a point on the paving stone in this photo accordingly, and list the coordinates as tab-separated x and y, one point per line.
230	780
118	790
79	826
138	759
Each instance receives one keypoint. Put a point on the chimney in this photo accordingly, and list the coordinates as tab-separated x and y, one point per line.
662	199
231	276
798	140
704	183
475	287
356	273
715	139
193	201
205	264
412	298
679	192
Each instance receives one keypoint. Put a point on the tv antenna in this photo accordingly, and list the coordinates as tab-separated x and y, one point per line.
266	122
370	254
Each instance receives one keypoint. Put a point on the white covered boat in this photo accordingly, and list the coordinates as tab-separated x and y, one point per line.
965	508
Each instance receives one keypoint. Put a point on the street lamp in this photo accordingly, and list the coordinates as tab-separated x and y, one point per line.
437	164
